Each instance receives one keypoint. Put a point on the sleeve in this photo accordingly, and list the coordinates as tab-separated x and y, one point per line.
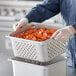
74	25
46	10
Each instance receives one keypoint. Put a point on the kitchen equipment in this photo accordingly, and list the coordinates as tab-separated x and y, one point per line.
40	51
56	67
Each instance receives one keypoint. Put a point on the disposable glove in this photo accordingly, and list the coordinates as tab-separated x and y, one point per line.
20	30
21	23
64	34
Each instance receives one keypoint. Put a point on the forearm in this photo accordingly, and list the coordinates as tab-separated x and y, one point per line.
43	11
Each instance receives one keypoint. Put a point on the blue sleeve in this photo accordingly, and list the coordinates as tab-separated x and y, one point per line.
74	25
46	10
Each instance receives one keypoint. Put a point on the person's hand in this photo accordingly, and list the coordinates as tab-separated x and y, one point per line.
21	23
20	30
64	34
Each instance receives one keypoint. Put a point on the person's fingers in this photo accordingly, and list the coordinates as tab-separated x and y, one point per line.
55	34
24	28
61	37
15	26
20	25
20	30
14	33
58	36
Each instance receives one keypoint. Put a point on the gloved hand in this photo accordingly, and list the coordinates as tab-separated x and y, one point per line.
64	34
21	23
20	30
